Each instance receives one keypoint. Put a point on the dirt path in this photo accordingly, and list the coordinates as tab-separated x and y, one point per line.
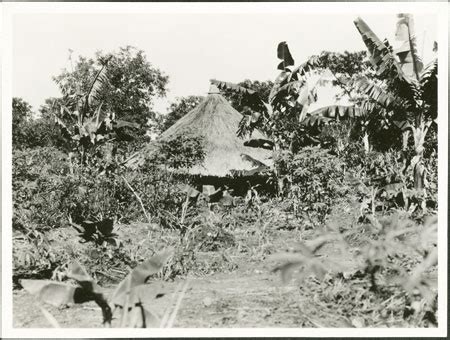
250	296
244	298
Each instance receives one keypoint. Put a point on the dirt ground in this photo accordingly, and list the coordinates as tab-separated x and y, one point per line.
250	295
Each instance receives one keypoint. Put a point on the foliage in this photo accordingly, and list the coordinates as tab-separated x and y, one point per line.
133	83
31	131
281	115
390	239
182	152
404	99
241	102
37	175
46	190
314	180
344	66
284	115
84	122
393	266
203	232
34	256
384	182
22	115
21	111
99	232
128	296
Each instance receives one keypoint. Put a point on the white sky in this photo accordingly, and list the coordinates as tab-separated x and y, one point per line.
190	48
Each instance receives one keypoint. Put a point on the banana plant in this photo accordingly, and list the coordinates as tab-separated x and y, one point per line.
284	111
81	117
285	115
404	91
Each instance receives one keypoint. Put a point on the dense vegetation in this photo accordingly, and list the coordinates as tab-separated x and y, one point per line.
361	179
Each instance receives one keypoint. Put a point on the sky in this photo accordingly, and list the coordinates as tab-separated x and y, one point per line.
190	48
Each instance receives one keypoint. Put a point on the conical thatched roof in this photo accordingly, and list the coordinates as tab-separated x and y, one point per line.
217	122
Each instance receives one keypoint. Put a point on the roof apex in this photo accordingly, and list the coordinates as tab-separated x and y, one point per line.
213	89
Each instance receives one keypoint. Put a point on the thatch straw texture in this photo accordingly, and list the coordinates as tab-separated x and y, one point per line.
217	122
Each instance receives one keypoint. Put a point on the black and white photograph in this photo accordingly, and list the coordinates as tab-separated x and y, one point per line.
224	169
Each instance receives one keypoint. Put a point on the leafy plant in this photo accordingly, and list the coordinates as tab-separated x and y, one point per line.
82	119
281	115
58	294
303	259
406	99
391	261
133	83
313	180
128	296
98	232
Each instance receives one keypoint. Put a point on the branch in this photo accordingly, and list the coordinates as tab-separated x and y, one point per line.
147	216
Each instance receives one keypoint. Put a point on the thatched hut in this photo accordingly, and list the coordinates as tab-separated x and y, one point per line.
227	159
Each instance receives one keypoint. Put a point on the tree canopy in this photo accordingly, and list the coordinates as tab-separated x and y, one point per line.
21	114
131	86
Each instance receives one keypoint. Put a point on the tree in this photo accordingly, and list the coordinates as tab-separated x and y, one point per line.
240	101
84	122
402	92
22	114
346	70
282	115
178	109
33	132
45	130
132	83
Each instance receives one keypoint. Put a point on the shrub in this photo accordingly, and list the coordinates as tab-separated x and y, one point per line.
315	180
37	180
48	193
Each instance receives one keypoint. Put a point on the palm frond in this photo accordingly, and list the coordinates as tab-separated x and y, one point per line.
284	54
313	64
429	87
380	55
253	161
410	60
429	73
260	143
386	65
249	123
337	112
403	125
223	85
375	91
64	129
312	120
288	80
98	82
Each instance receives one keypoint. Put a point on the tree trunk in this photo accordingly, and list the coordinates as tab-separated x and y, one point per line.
419	169
405	136
366	143
419	176
277	172
69	158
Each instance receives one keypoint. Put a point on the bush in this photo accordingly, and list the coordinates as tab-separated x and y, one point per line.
48	194
38	179
47	191
315	180
388	177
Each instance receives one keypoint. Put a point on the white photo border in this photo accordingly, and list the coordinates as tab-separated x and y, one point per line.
8	10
